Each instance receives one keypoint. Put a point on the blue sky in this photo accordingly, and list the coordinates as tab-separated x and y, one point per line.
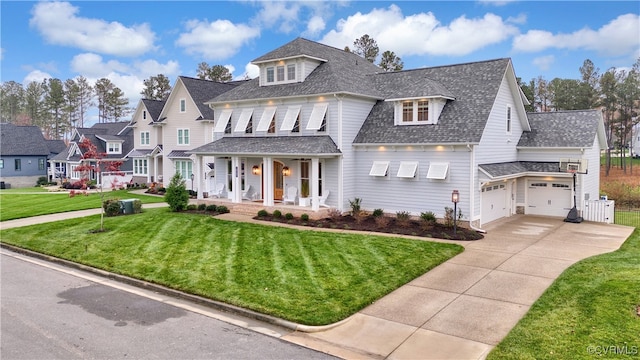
129	41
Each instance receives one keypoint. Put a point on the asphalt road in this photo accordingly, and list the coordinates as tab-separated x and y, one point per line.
49	313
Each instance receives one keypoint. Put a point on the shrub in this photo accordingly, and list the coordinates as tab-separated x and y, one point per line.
111	207
288	216
304	217
403	217
192	207
202	207
42	180
448	216
222	209
334	214
360	216
177	196
355	206
137	206
382	221
428	219
277	214
211	208
378	212
263	213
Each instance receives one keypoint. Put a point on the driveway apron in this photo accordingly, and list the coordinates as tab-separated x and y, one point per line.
465	306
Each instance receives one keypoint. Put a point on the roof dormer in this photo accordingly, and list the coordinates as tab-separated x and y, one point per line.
418	111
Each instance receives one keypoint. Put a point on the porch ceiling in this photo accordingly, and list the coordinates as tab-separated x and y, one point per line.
311	146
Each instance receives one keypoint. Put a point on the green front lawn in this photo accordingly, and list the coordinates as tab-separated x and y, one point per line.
304	276
590	311
15	205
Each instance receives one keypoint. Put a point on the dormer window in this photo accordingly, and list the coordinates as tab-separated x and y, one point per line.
113	148
415	111
280	73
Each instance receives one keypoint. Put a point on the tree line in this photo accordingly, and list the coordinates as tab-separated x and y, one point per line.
615	91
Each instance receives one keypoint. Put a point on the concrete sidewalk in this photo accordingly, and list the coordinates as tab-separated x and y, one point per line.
467	305
462	308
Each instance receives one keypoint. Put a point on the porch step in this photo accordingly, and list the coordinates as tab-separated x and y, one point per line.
251	208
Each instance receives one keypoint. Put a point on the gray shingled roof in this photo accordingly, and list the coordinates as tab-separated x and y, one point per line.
281	145
474	86
154	107
56	146
518	167
22	140
342	73
179	154
203	90
572	129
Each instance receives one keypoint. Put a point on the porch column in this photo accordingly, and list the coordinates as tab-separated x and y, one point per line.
198	176
237	187
149	169
155	168
315	191
267	178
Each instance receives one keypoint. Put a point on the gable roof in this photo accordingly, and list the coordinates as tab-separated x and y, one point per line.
203	90
564	129
56	146
518	168
100	133
473	85
22	140
154	107
339	72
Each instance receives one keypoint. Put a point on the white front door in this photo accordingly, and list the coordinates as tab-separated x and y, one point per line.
549	198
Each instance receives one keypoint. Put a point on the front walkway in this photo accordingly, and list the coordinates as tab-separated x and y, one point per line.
467	305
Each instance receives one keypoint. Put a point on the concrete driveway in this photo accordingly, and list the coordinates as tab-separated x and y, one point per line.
467	305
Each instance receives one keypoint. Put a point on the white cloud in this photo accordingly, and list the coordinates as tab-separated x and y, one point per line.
518	20
282	13
252	71
544	62
128	77
59	24
421	33
35	75
315	25
614	39
217	40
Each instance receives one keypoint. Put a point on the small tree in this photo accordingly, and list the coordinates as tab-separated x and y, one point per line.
94	161
177	195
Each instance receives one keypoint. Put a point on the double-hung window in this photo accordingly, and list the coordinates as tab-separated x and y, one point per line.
140	167
183	105
41	164
270	75
415	111
183	136
184	168
113	148
144	138
18	165
291	72
280	73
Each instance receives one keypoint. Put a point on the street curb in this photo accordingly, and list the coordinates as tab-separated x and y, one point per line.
217	305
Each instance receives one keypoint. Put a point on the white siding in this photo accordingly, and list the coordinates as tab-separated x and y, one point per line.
417	195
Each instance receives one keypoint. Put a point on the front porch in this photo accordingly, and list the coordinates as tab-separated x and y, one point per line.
251	208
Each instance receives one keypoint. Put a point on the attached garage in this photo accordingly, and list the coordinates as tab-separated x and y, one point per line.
550	198
494	202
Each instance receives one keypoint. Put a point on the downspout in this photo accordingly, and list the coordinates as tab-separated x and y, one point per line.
472	161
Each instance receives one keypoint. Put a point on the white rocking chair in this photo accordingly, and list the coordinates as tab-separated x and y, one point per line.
290	197
218	190
323	198
249	194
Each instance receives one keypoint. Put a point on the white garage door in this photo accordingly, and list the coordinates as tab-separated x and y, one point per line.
494	202
551	198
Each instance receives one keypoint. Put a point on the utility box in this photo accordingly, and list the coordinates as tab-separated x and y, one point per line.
126	206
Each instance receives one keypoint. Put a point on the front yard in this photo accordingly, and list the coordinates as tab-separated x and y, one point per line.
308	277
21	203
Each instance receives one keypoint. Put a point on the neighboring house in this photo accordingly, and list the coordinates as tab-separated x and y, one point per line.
165	130
114	140
23	155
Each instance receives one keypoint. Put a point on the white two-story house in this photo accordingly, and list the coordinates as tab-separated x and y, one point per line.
324	126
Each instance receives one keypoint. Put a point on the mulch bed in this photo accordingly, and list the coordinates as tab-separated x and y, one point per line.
412	227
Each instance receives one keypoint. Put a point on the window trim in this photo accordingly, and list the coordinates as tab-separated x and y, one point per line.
183	105
182	165
41	164
112	148
17	165
138	166
509	119
145	140
1	163
181	136
415	112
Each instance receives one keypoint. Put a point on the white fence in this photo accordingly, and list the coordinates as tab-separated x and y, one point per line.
599	211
